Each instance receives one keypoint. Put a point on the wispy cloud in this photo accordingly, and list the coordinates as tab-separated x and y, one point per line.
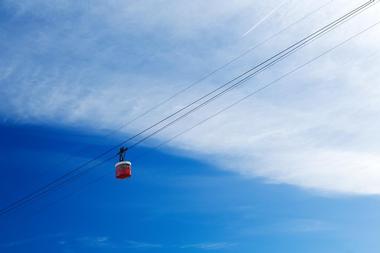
142	245
264	18
291	226
106	242
112	243
303	226
208	245
30	240
96	242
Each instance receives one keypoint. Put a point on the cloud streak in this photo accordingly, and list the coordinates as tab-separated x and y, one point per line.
263	19
30	240
292	226
142	245
107	242
207	246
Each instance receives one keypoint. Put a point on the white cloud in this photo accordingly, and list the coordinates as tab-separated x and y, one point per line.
141	245
263	19
96	242
30	240
292	226
207	245
317	129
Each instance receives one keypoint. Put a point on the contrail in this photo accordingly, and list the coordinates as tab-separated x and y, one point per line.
264	18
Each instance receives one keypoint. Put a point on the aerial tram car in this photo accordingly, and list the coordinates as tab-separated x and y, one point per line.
123	168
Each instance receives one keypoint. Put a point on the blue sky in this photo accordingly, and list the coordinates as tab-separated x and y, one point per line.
293	170
172	204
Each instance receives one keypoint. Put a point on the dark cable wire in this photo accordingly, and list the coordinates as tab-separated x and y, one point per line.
240	82
249	50
54	187
265	63
229	62
221	111
291	48
263	87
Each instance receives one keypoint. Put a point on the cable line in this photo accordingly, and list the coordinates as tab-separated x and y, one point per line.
265	65
36	195
249	50
247	74
223	110
240	79
266	86
211	73
206	76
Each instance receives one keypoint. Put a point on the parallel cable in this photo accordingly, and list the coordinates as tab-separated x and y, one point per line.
228	63
211	73
101	177
261	66
264	87
267	63
46	190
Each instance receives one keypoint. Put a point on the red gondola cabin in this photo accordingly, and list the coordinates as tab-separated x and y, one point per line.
123	169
